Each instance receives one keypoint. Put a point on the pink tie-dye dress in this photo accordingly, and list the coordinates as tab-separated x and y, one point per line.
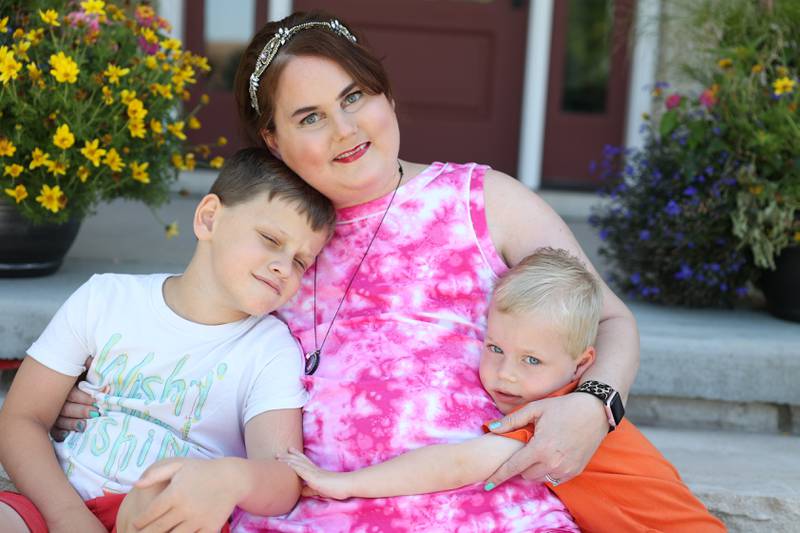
399	369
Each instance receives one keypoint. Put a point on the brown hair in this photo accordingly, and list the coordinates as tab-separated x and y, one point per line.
355	58
557	284
253	171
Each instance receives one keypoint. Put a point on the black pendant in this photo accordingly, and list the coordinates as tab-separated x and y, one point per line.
312	362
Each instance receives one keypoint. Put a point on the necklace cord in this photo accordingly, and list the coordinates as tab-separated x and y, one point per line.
318	348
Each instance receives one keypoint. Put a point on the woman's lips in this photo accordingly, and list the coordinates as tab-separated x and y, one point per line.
354	154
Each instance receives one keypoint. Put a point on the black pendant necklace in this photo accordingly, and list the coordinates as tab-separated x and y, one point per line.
313	358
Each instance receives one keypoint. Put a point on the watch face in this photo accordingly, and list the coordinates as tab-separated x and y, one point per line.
617	410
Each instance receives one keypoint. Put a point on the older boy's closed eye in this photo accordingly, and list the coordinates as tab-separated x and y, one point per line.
542	325
183	367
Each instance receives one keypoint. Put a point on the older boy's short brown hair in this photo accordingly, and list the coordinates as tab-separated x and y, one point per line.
253	171
559	286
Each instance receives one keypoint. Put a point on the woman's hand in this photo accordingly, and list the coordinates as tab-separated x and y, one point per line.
75	411
567	432
194	495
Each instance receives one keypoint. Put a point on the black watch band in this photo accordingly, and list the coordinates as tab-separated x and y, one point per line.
610	398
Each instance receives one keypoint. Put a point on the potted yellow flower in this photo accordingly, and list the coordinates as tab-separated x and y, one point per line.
90	110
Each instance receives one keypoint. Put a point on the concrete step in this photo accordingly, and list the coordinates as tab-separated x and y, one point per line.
751	482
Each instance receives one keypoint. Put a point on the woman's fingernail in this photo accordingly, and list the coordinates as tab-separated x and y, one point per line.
494	425
96	406
80	426
93	414
63	434
489	486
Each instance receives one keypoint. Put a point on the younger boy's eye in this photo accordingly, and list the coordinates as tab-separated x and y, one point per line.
270	239
300	264
494	348
531	360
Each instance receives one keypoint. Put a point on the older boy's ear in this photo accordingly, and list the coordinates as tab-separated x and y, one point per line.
205	215
584	361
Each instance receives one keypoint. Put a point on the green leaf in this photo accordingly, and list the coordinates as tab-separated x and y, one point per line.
669	121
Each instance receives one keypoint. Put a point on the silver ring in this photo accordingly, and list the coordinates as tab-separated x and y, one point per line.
553	481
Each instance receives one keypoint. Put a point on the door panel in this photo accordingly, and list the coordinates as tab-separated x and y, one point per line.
456	69
587	88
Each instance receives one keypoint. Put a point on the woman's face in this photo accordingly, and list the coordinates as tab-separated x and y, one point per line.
341	140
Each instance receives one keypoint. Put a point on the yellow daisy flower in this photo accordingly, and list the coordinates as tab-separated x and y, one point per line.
3	24
177	130
222	141
50	198
94	7
204	99
156	126
151	62
177	161
13	170
171	230
33	72
136	110
139	172
217	162
18	193
108	96
50	17
165	91
83	173
9	66
21	49
194	124
113	160
57	168
136	128
171	44
7	147
757	68
114	73
39	158
63	137
783	85
189	161
725	63
127	96
64	69
91	150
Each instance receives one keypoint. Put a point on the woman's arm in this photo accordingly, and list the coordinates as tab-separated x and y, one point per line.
202	493
421	471
568	429
26	452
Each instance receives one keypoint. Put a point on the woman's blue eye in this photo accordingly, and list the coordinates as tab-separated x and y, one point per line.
494	348
531	360
353	97
313	118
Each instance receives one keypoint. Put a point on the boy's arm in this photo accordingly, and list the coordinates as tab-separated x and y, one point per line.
203	493
29	410
421	471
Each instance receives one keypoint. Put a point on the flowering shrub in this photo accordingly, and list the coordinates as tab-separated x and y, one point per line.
666	225
755	56
90	106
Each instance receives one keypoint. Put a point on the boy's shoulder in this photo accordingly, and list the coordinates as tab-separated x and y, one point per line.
272	335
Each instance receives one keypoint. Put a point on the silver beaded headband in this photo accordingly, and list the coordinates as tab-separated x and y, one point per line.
270	50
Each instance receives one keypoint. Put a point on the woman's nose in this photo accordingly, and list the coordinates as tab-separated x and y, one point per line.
344	124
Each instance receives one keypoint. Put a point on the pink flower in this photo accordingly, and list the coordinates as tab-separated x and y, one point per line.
148	48
673	101
708	98
80	19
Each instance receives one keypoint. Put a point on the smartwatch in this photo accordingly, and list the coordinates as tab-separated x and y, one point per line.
610	398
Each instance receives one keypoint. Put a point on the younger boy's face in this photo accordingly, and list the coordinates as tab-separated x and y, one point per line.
524	359
260	250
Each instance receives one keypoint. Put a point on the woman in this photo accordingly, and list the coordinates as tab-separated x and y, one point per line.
393	311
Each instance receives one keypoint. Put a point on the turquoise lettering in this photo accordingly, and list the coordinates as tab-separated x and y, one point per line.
172	447
101	439
175	389
123	439
146	448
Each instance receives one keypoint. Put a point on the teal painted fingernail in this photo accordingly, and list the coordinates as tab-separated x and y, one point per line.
80	426
93	414
494	425
96	405
489	486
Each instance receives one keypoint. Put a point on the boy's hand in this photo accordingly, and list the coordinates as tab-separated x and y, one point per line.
321	482
567	432
199	496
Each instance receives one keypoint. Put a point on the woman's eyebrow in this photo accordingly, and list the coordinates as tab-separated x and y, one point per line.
342	94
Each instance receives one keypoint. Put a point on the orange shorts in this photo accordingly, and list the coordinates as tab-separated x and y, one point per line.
105	508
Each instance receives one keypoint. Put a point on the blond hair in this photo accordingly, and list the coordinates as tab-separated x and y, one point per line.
559	286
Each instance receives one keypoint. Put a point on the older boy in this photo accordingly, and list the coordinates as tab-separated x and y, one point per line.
184	366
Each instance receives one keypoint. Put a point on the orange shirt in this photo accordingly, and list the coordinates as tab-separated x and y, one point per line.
628	486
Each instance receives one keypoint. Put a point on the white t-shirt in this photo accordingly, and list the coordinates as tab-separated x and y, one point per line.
166	386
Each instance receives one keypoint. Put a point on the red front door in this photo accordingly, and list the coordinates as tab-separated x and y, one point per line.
587	89
456	68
